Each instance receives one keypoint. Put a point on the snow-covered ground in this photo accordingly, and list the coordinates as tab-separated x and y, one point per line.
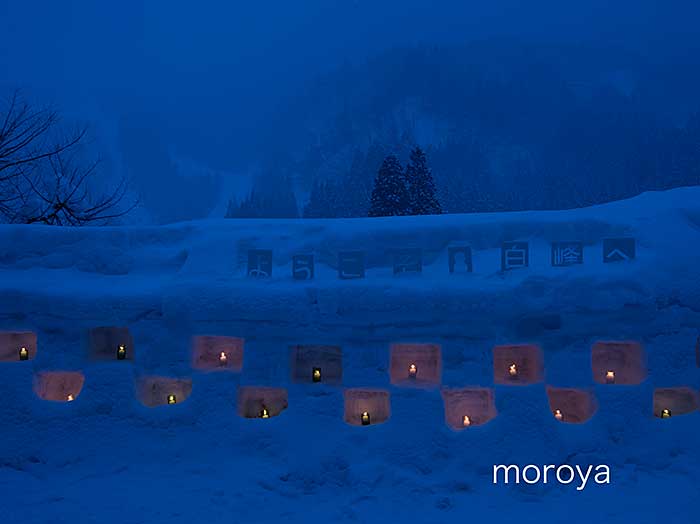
107	458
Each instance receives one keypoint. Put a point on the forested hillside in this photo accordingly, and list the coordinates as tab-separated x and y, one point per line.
505	126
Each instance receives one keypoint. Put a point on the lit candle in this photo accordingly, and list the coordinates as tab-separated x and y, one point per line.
665	413
365	418
558	415
223	359
23	354
316	375
466	421
610	377
121	352
264	413
70	398
513	370
172	399
412	371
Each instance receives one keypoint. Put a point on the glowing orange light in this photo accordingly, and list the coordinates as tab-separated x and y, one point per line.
610	377
558	415
223	358
513	370
412	371
466	421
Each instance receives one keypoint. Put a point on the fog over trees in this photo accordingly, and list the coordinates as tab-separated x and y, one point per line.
503	129
277	110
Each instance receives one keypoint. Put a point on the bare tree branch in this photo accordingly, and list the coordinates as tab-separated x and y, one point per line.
43	179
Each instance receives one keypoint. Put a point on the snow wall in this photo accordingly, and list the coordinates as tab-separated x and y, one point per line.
170	284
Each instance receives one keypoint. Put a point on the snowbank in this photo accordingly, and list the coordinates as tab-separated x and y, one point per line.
105	456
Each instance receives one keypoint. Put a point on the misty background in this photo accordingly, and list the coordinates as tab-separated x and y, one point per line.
198	104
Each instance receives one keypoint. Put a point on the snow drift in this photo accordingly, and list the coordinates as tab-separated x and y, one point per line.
105	456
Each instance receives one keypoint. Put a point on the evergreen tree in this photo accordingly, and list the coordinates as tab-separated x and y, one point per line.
273	198
319	205
421	187
390	194
354	190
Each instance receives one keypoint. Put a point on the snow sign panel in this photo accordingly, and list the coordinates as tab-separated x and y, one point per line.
567	254
514	255
303	267
408	261
460	259
618	249
351	264
260	263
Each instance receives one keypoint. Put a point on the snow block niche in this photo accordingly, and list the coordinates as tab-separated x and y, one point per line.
618	363
669	402
156	391
16	346
574	406
217	353
316	364
417	365
261	402
364	407
518	364
466	407
111	343
58	386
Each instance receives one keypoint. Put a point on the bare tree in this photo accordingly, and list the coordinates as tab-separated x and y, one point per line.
43	178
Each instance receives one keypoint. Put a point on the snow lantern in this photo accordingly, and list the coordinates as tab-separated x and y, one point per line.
465	407
314	363
670	402
574	406
111	343
518	364
16	346
618	362
59	386
217	353
415	365
366	406
154	391
261	402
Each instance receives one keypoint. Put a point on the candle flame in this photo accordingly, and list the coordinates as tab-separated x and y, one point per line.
610	376
70	398
558	415
513	370
466	421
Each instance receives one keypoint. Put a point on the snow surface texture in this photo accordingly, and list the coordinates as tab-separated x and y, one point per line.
107	458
